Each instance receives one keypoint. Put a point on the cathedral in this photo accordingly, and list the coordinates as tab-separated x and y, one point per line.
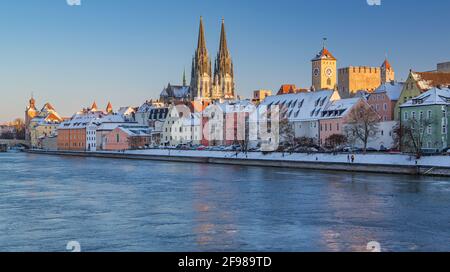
204	85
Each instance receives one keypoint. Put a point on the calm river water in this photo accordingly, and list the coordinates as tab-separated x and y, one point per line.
120	205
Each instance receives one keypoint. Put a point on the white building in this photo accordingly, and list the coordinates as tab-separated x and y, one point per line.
303	110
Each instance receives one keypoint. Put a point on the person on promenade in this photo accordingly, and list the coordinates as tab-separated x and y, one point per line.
348	158
353	158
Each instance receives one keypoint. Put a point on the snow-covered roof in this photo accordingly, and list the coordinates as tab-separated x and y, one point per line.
304	106
95	118
126	111
78	122
176	91
428	80
146	107
340	108
392	89
434	96
141	131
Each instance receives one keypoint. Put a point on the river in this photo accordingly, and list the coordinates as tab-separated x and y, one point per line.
126	205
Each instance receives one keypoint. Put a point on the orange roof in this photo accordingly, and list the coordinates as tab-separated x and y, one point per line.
287	89
94	106
386	65
324	54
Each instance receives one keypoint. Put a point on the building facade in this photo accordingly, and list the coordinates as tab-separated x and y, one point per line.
324	70
303	110
260	95
428	116
384	99
363	78
419	83
128	138
45	123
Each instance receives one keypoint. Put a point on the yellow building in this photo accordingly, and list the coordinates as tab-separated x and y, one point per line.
260	95
358	78
324	71
44	124
353	79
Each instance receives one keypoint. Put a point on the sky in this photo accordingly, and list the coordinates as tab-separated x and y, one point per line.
126	51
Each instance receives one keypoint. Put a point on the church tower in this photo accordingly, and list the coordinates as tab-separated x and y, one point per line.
201	75
30	113
324	70
223	70
387	72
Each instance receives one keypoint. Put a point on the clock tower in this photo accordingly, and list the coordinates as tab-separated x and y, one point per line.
324	70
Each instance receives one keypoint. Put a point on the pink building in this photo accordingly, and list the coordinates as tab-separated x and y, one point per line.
383	100
127	138
334	117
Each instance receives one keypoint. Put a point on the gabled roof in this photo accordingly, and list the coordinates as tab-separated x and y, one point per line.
303	106
392	89
176	91
435	96
428	80
340	108
324	54
135	131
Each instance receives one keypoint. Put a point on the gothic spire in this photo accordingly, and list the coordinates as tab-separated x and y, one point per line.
184	77
201	46
223	49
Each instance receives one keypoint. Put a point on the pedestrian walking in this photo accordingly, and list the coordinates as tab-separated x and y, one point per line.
353	158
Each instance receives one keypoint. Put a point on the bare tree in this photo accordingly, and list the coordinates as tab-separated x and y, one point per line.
335	141
362	124
287	133
413	134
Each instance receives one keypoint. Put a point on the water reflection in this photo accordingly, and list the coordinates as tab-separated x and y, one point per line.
117	205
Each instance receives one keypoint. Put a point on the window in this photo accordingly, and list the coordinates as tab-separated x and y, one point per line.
429	130
413	115
421	115
117	137
406	116
385	106
444	129
429	114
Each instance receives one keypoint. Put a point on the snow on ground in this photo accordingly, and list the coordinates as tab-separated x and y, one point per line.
381	159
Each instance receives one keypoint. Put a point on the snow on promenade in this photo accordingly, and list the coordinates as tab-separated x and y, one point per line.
380	159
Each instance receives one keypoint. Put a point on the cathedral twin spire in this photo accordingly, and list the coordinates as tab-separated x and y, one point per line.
203	84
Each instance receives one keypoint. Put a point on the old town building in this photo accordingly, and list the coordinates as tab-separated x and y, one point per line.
419	83
353	79
324	72
428	116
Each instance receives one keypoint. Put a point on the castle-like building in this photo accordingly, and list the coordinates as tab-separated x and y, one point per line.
348	80
204	85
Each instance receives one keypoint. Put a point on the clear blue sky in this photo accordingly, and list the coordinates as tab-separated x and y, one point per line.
127	50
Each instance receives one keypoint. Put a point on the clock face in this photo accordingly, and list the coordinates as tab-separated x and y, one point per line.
316	72
329	72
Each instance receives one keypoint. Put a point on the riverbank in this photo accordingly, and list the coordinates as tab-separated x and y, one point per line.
372	163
